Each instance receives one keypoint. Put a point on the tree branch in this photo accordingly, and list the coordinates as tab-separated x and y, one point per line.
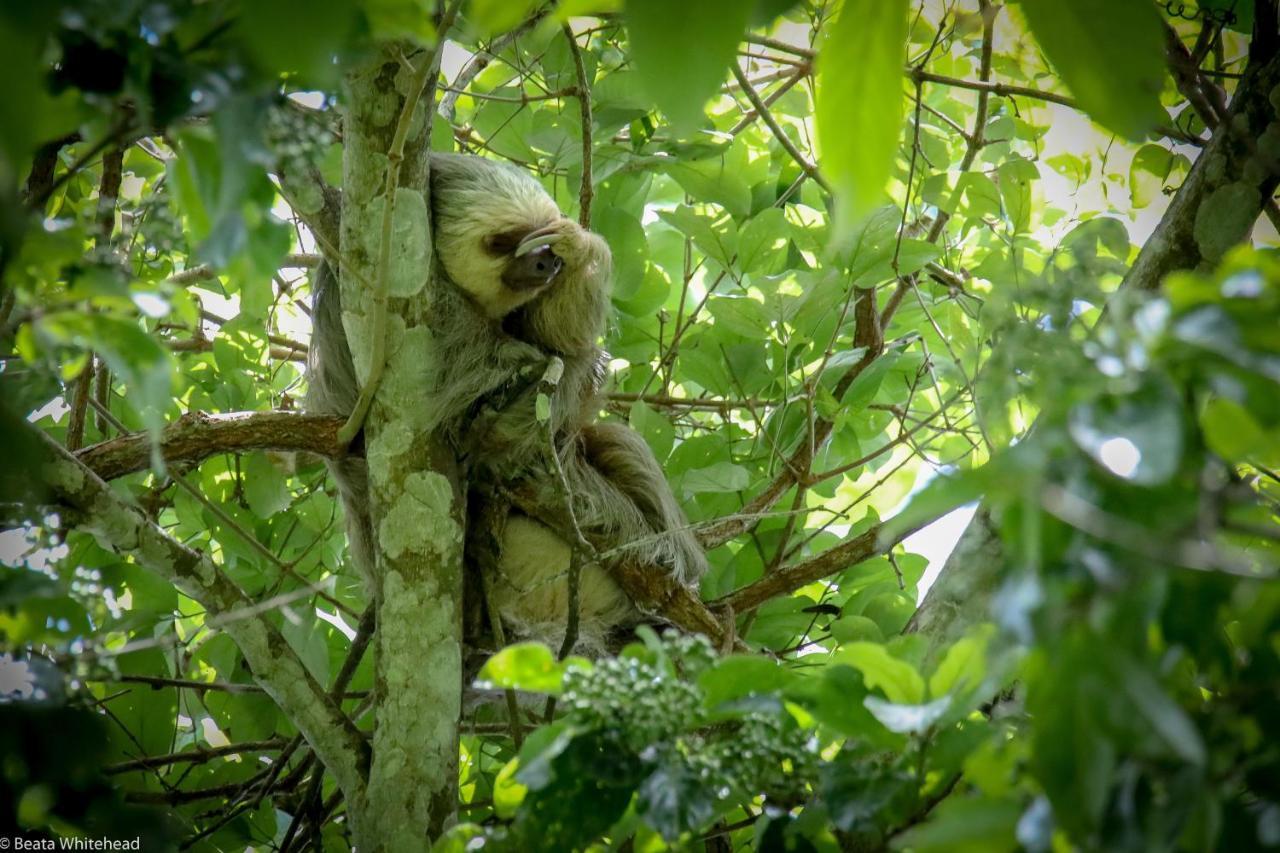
762	110
790	578
199	755
196	436
1227	188
315	202
275	665
584	102
479	62
204	272
867	335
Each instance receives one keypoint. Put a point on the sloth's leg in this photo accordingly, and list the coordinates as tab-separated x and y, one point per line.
624	460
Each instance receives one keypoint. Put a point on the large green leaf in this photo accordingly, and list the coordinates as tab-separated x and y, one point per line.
1110	55
682	51
859	110
898	679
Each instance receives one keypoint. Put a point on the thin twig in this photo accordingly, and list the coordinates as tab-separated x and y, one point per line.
584	102
785	141
479	62
199	755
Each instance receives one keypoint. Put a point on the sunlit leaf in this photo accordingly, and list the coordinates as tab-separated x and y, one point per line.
1110	55
527	666
898	679
699	39
860	102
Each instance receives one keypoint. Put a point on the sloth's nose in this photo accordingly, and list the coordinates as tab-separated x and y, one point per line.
533	270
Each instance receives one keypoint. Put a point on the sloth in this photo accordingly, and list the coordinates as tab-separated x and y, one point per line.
518	284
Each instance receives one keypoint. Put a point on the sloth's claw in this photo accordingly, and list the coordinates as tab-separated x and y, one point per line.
536	241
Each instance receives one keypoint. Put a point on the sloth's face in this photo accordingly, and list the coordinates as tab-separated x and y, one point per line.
530	265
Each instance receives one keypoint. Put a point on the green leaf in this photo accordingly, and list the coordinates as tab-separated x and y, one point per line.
762	242
1165	716
854	627
675	800
1230	431
508	794
713	180
740	314
264	486
1148	173
682	51
834	699
1015	191
498	16
307	637
718	240
741	675
628	245
656	429
720	477
965	825
527	666
963	666
129	351
907	719
1136	436
980	193
535	768
391	20
1110	56
314	38
897	678
860	103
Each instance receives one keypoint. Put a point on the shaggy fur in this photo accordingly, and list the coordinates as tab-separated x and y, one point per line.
491	326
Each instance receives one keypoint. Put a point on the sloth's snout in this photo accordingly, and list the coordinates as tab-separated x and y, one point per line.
533	270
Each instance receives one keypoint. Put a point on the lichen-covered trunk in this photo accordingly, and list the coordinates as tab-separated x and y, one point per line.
414	496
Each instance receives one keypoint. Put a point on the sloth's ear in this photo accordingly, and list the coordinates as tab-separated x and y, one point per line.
532	271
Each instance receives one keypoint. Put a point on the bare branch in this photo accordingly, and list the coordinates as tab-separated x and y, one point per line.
199	755
584	102
197	436
204	272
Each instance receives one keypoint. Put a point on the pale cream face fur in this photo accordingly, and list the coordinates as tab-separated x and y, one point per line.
517	203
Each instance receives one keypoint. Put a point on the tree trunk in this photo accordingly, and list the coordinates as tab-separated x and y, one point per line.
414	493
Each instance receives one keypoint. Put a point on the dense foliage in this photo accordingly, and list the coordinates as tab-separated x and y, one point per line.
868	269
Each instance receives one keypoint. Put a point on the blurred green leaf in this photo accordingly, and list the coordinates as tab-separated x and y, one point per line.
1110	56
907	719
860	103
700	39
965	825
897	678
1137	436
741	675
